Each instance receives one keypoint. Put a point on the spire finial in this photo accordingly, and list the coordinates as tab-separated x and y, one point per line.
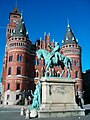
68	23
22	12
16	3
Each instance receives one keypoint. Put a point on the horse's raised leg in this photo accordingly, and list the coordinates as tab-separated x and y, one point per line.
69	73
47	67
50	74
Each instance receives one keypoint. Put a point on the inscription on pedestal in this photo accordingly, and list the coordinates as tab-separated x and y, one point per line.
59	90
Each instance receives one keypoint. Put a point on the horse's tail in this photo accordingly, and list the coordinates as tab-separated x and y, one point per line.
71	66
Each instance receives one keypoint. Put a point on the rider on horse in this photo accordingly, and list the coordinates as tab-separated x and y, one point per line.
55	51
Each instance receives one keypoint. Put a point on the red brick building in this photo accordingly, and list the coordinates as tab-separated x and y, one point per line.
18	63
21	66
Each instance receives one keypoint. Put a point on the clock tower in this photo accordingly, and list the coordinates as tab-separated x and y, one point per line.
17	75
14	16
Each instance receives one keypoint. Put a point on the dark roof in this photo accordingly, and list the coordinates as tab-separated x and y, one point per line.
20	30
69	37
15	11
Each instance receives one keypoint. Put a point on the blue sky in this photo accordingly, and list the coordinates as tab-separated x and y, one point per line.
50	16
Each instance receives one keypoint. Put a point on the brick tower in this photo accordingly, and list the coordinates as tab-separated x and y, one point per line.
17	75
70	48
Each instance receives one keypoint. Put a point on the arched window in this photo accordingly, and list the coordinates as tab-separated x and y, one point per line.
10	58
75	63
8	86
19	58
19	44
18	70
18	86
9	71
10	30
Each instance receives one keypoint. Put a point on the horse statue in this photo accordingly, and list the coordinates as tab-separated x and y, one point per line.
62	60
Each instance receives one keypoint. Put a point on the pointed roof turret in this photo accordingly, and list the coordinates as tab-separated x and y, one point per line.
69	36
15	11
20	30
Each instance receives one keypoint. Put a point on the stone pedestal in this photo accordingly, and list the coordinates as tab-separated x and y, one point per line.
58	98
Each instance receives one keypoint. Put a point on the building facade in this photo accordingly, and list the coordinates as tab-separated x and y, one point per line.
21	66
18	64
86	86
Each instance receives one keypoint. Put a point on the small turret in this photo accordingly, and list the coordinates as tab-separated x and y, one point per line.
20	30
69	37
15	11
70	48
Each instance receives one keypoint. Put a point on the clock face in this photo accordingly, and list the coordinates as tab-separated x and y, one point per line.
14	21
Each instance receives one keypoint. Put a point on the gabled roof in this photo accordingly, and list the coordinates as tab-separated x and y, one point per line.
69	37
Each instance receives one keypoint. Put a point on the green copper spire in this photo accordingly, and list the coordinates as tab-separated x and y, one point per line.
69	36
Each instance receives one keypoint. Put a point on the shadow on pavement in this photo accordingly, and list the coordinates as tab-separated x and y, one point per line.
87	112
